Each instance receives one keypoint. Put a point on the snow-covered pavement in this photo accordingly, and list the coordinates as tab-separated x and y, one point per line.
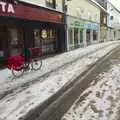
51	64
19	103
101	100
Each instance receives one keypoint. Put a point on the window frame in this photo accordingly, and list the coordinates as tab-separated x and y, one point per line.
51	3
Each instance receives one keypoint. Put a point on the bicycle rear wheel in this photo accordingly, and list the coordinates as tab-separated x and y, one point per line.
17	72
36	64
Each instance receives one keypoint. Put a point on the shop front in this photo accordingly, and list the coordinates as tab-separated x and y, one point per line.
81	32
92	32
24	25
75	33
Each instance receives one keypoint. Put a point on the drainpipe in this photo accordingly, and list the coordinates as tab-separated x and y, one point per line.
65	24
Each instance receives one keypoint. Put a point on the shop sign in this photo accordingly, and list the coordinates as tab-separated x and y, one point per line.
7	7
17	9
92	26
78	24
83	25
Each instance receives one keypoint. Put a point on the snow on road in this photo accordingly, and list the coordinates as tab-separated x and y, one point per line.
16	105
50	64
103	100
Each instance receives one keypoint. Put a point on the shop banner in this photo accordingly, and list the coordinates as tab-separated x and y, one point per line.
73	22
27	11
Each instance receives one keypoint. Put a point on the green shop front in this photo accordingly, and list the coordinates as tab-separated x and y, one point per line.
81	33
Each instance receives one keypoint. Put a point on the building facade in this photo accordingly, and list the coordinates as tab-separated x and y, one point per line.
28	25
83	23
50	4
113	22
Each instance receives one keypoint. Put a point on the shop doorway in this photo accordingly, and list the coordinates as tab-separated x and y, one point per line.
88	37
15	40
37	41
76	38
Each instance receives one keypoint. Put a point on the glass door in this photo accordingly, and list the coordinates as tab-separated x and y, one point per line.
37	42
2	42
76	37
88	37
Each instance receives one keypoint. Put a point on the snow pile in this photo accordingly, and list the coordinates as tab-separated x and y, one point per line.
103	101
15	106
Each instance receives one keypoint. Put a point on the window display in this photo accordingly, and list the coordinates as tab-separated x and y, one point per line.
45	39
16	40
48	43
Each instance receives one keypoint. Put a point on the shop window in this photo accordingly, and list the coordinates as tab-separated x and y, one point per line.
51	3
94	35
76	37
81	36
16	40
48	38
70	36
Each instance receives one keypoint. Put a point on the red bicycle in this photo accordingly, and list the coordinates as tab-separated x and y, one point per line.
19	65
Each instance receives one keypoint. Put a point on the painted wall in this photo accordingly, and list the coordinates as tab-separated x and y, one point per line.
83	9
43	3
114	23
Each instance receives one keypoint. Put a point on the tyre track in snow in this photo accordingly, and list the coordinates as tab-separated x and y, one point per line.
57	105
14	98
16	89
49	108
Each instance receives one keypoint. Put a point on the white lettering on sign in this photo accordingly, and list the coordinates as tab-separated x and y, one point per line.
7	7
10	8
3	4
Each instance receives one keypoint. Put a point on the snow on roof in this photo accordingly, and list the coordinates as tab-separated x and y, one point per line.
96	3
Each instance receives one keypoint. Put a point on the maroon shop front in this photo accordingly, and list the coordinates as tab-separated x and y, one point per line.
24	25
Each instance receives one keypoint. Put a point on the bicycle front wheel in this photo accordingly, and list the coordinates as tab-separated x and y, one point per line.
36	64
17	73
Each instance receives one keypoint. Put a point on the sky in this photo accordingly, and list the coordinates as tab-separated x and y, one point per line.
116	3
